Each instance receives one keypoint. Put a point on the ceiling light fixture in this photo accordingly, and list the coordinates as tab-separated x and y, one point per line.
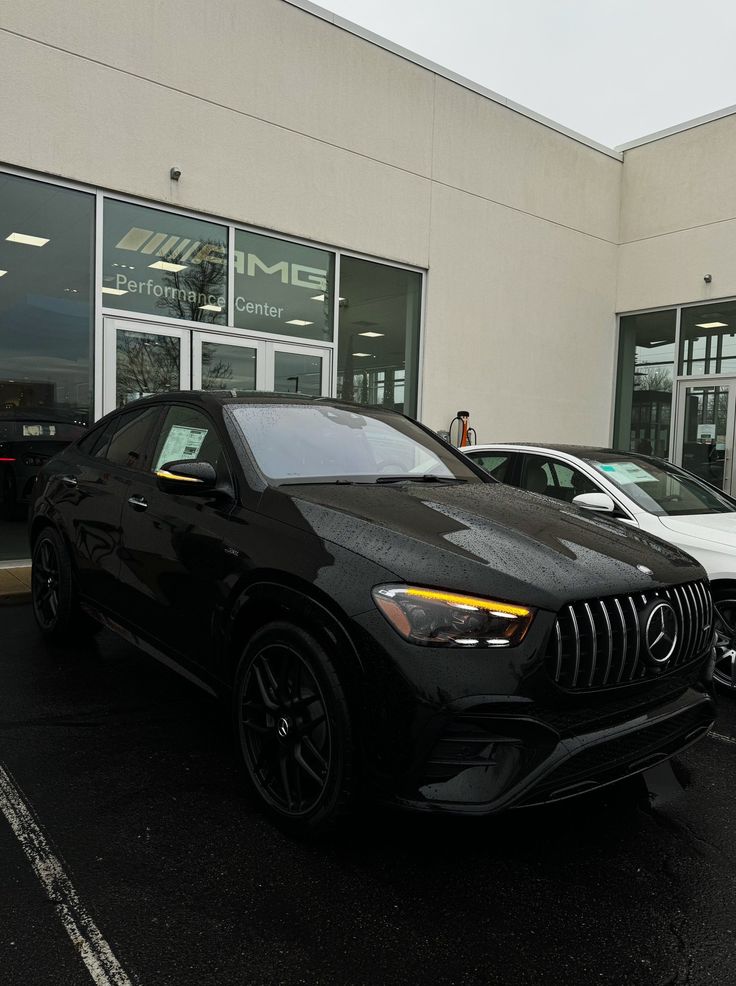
3	273
38	241
210	308
298	321
361	354
711	325
165	265
321	297
115	291
372	335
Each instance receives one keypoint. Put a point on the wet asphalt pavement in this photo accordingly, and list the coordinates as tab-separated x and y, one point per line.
130	773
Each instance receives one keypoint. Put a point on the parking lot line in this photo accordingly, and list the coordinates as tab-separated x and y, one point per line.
86	937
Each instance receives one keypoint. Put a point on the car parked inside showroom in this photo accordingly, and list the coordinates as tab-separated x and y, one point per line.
644	492
428	638
29	437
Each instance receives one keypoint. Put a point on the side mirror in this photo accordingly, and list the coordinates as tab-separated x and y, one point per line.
599	502
186	477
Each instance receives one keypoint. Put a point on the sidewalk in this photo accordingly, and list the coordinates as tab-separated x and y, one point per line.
15	585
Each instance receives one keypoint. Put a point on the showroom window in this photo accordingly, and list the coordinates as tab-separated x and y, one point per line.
283	288
164	264
644	392
708	339
378	350
46	318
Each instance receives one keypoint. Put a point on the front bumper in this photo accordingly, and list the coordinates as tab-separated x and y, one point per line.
445	732
483	764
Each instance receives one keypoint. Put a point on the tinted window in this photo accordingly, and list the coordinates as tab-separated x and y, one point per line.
498	464
327	442
554	478
90	440
188	434
130	444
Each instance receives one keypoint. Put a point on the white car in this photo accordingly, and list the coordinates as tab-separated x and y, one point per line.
644	492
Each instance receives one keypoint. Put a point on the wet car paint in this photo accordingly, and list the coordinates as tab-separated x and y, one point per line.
189	580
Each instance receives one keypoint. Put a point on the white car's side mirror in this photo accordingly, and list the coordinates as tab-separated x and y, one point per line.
600	502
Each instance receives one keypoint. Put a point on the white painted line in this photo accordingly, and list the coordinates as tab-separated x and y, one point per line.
722	738
86	937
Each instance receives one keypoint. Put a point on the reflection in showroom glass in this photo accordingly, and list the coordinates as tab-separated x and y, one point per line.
46	317
160	263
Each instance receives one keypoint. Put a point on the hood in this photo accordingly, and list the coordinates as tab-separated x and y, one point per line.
487	538
720	528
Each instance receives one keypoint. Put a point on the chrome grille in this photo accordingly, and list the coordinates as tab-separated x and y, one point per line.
597	643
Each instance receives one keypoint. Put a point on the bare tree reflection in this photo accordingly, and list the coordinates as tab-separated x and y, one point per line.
217	374
146	364
197	293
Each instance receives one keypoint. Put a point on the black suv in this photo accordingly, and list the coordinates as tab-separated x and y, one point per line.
383	617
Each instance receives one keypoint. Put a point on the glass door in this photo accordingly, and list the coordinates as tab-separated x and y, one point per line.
227	363
704	438
298	369
140	359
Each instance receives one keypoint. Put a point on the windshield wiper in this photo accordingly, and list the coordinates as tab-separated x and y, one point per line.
317	482
426	478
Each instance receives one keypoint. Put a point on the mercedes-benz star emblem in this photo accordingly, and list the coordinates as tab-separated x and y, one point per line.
282	727
659	623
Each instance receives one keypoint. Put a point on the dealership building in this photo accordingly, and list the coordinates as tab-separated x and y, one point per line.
269	197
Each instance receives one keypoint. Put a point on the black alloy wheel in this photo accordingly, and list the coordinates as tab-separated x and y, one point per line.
53	591
293	728
724	672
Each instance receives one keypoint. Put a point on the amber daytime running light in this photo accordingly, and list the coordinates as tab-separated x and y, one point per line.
447	619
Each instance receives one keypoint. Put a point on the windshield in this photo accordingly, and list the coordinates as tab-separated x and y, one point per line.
320	443
660	489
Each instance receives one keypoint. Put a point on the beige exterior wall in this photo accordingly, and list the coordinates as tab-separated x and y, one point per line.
284	121
678	218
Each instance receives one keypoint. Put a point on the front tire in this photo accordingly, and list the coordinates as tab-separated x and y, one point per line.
293	729
53	592
724	672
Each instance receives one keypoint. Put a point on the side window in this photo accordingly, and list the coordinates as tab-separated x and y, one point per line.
90	440
187	433
130	445
554	478
498	464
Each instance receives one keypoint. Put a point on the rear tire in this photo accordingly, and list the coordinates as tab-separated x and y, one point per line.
54	594
293	729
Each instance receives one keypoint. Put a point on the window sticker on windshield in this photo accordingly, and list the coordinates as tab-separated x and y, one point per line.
181	443
626	472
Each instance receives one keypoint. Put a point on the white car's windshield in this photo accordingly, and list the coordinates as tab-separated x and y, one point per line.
323	443
660	489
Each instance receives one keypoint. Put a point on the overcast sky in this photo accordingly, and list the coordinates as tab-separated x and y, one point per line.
613	70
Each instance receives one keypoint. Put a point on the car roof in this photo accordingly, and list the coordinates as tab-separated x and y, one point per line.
226	397
579	451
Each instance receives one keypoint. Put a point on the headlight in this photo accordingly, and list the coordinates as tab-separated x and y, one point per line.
446	619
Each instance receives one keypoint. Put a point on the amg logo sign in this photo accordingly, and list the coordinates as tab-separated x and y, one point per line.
181	250
173	248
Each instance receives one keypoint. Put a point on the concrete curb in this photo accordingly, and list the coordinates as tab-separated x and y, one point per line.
15	586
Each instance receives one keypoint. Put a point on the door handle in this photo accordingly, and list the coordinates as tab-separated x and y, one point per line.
138	502
69	480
